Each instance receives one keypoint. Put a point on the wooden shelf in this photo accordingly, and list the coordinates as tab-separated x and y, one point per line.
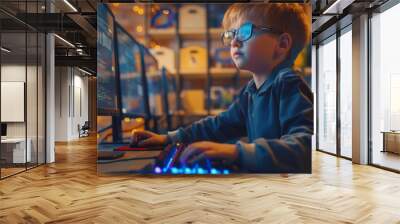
165	34
215	112
214	73
223	72
228	73
193	72
215	33
193	34
194	113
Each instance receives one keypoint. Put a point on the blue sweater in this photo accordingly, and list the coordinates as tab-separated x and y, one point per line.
277	118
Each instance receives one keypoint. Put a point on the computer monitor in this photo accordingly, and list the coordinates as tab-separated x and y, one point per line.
154	83
130	68
107	88
172	94
3	129
170	91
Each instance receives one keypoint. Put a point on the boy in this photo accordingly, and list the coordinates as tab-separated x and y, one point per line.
274	110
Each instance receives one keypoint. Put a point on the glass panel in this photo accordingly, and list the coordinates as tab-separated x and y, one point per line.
13	85
346	94
385	84
31	88
31	98
41	99
327	96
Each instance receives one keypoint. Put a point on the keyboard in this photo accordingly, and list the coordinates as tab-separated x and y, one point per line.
168	162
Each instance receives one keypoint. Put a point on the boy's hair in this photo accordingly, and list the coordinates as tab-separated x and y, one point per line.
291	18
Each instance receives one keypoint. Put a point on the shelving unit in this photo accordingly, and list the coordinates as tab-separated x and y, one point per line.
175	38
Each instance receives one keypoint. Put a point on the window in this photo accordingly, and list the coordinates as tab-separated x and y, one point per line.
346	93
327	96
385	88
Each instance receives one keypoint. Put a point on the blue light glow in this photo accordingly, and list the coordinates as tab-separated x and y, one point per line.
214	171
187	171
200	171
174	170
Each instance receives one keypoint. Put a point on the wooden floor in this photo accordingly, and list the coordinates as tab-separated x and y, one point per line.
70	191
387	159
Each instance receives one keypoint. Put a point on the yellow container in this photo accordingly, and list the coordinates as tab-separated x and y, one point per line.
193	60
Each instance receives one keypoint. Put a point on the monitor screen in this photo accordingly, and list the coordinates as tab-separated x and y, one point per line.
172	93
130	71
106	75
154	83
150	63
3	129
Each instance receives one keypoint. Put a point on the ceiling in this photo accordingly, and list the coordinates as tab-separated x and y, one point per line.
79	27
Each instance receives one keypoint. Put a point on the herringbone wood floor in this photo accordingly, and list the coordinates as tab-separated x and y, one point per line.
69	191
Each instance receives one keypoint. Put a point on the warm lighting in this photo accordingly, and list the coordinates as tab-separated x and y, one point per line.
139	120
139	29
165	12
5	50
84	71
70	5
115	4
135	8
65	41
127	120
98	136
157	46
140	11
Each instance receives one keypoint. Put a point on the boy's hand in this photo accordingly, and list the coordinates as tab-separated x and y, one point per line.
148	138
208	150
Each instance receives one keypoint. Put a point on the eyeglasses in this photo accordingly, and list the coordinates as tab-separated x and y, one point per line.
244	33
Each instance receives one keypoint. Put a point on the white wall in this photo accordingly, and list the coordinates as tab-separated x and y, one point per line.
71	93
33	126
16	73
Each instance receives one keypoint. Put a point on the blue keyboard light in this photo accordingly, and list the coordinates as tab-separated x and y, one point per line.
157	170
225	172
169	163
186	170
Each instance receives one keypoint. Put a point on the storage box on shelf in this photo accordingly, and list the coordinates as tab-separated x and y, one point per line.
192	19
162	22
193	60
193	102
165	57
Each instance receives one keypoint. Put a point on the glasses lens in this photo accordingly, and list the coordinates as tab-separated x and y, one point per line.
244	32
227	37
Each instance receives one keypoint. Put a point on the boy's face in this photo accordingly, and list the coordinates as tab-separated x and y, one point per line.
257	54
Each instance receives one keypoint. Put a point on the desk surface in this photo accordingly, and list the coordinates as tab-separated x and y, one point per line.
14	140
130	162
391	132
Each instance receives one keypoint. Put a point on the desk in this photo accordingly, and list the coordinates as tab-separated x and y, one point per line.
130	162
13	150
391	141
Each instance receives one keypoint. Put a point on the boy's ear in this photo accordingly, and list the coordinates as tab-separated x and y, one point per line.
285	42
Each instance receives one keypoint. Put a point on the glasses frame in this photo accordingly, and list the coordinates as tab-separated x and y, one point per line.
252	27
